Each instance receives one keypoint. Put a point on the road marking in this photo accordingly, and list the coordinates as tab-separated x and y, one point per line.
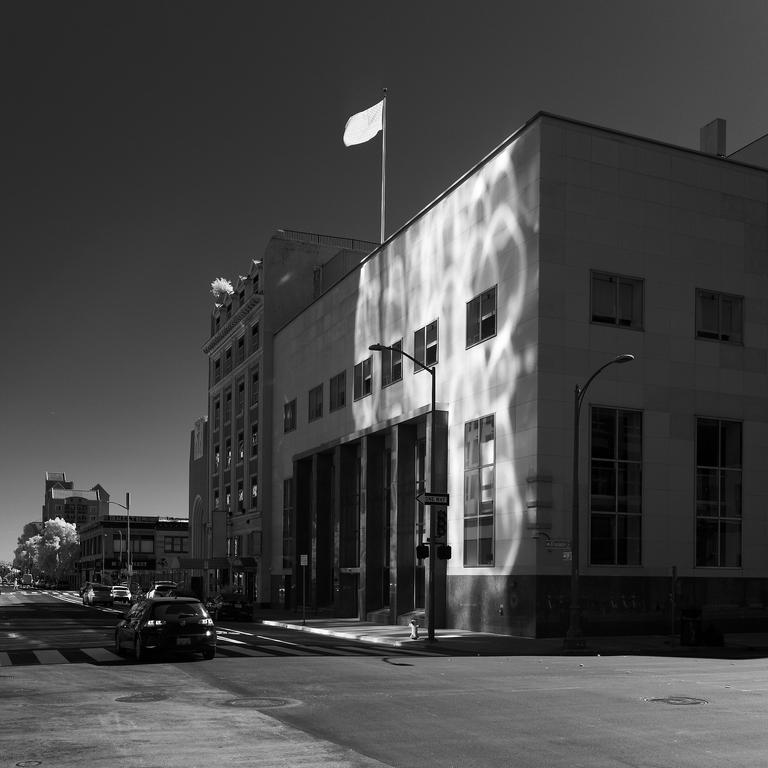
101	654
283	651
50	657
222	638
245	652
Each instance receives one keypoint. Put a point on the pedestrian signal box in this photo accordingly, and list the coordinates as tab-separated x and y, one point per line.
422	551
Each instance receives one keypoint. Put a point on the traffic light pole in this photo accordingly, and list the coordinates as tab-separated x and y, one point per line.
432	529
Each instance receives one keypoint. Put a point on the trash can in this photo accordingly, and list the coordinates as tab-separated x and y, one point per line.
690	626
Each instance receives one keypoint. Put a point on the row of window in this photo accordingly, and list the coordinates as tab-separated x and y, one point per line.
481	325
619	300
225	402
235	353
240	500
144	545
616	490
225	462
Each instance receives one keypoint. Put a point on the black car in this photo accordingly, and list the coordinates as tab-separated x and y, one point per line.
166	624
231	606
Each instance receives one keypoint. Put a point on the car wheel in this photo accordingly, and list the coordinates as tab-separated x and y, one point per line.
209	653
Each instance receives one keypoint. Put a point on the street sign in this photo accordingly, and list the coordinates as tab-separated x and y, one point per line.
440	499
303	559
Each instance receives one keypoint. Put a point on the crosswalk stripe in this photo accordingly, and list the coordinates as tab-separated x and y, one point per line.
101	654
50	657
230	651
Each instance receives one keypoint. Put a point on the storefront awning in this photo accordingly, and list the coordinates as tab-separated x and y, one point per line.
216	562
245	562
191	562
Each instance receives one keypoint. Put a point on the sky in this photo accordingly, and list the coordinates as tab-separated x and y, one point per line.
148	147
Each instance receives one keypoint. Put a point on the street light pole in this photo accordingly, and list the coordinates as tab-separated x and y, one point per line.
573	638
431	599
127	508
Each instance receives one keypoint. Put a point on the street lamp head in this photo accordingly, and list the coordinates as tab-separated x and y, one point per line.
623	358
376	347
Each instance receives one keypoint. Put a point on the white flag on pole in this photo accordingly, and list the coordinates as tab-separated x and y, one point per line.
364	125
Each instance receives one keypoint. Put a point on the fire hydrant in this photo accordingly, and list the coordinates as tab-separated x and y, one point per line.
414	629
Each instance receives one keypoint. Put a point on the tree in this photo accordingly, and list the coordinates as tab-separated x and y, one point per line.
52	551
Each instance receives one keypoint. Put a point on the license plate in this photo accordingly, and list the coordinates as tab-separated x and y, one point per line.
183	641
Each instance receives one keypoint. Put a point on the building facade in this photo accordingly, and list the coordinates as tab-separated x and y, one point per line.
567	246
63	500
149	548
230	524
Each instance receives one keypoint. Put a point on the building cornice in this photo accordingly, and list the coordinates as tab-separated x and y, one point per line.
237	318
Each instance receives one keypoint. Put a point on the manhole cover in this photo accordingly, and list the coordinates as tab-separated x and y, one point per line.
678	700
28	763
258	702
137	698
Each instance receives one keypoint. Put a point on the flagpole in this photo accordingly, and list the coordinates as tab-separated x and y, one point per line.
383	160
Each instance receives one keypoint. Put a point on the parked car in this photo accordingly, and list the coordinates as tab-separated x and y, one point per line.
166	624
97	594
231	606
121	594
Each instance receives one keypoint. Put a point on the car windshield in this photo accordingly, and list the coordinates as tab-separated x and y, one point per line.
100	588
173	611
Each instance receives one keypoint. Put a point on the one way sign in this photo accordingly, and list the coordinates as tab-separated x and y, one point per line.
440	499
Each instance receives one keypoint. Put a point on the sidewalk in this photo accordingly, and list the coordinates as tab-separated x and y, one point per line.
462	642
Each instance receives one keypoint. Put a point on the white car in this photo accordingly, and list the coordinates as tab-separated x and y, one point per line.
121	595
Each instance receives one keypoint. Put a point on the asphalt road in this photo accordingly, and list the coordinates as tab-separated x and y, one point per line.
383	708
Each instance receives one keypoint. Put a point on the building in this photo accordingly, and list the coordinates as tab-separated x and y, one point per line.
156	546
230	526
74	506
567	246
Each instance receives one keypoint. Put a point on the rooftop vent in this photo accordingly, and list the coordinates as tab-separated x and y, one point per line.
712	138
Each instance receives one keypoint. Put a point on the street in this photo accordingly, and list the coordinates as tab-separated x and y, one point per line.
276	697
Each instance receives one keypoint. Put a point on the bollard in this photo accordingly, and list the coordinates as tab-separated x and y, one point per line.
414	629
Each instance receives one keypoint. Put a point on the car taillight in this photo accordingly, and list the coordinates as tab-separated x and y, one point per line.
155	623
207	622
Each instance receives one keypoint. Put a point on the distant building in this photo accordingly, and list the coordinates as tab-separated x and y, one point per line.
231	524
157	546
63	500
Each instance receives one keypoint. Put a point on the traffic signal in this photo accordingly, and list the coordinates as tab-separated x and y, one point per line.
444	552
422	551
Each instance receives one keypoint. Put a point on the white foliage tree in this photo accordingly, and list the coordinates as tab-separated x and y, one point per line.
221	288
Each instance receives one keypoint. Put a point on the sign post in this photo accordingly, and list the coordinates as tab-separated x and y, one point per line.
304	560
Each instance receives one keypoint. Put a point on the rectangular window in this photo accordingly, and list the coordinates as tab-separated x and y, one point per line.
240	402
227	406
255	337
363	379
240	349
255	388
216	458
254	491
719	316
240	494
240	446
391	364
216	369
228	455
315	403
227	360
616	481
228	496
481	317
425	345
174	544
338	391
216	414
617	300
288	541
289	416
254	439
718	493
479	490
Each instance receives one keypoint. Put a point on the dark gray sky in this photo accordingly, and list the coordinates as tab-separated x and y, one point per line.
149	147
